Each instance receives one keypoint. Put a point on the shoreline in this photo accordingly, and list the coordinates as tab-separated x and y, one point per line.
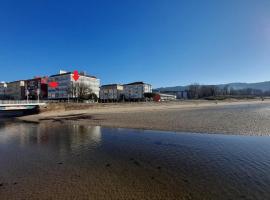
223	117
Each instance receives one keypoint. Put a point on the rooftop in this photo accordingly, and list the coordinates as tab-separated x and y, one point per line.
137	83
111	85
15	81
36	78
81	74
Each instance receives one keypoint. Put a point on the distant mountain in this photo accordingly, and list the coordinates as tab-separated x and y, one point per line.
264	86
175	88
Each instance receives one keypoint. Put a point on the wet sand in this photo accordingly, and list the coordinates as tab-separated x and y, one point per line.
69	161
240	117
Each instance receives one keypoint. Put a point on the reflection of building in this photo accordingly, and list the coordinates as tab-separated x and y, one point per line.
112	92
65	81
136	90
74	139
37	86
15	90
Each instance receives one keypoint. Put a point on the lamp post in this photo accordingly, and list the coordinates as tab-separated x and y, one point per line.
5	90
38	93
27	96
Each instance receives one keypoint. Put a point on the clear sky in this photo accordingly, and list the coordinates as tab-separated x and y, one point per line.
163	42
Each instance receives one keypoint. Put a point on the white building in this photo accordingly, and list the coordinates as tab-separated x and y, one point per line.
112	92
65	81
167	97
136	90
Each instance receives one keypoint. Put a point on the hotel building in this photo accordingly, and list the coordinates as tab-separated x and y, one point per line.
111	93
65	81
3	87
15	90
37	87
136	90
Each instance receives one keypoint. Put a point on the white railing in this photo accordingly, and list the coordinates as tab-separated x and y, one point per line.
22	102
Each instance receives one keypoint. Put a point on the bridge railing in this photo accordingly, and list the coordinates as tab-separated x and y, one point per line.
22	101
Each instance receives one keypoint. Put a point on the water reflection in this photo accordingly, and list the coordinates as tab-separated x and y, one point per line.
63	138
102	163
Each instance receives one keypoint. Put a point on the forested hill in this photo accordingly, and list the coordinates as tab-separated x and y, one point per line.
264	86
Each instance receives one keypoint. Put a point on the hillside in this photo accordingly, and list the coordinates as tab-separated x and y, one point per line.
264	86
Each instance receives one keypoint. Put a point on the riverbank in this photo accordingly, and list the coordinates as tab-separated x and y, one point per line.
226	117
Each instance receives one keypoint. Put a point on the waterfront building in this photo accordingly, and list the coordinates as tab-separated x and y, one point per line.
111	93
136	90
15	90
164	97
183	94
65	83
36	88
3	87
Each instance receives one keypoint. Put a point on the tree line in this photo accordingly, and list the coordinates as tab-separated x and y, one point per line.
197	91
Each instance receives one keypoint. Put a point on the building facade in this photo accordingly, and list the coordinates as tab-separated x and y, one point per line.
111	93
66	83
182	95
164	97
179	94
37	88
3	87
15	90
136	90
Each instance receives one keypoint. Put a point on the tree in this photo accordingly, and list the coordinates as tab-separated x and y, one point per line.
194	90
79	91
92	96
226	90
83	91
71	91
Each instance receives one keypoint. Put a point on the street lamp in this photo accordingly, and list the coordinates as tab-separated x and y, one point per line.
38	93
27	96
5	90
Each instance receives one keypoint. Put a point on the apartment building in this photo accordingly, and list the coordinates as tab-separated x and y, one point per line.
3	87
136	90
111	93
65	82
37	88
15	90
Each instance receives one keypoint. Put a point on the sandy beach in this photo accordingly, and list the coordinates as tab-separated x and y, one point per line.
68	151
225	117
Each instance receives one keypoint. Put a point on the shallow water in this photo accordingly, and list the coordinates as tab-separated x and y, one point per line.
60	161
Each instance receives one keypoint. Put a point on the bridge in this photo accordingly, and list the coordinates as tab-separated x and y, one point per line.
14	103
19	108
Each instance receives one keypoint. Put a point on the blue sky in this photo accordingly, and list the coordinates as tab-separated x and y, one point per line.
163	42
